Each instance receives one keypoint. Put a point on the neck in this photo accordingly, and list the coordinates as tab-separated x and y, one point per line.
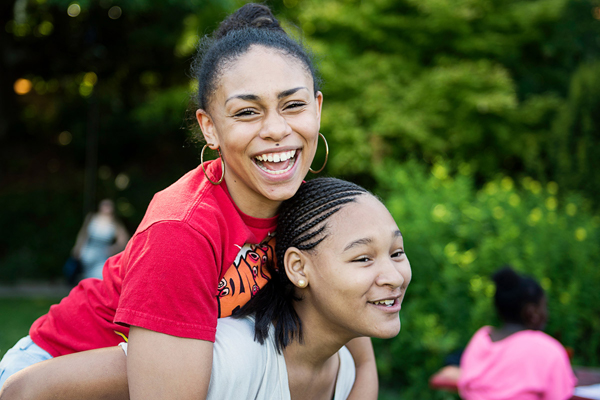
319	343
313	366
507	329
250	203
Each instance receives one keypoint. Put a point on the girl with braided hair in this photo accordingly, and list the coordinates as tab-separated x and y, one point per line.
342	274
200	252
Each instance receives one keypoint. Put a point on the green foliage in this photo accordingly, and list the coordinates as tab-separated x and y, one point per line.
576	138
476	82
456	236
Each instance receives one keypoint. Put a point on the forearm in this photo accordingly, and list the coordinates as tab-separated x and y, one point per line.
95	375
366	384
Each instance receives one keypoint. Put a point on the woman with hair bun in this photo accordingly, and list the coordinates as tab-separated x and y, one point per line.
201	250
343	274
516	361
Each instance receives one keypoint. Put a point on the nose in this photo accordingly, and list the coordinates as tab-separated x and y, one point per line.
275	127
394	274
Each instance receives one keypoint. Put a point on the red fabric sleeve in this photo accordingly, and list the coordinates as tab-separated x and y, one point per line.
170	282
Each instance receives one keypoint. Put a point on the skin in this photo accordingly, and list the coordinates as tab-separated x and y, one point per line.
364	262
264	104
341	281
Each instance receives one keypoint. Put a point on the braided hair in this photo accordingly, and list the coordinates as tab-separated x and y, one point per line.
513	292
302	223
252	24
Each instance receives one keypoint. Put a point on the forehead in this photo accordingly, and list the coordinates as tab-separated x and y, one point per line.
365	217
262	70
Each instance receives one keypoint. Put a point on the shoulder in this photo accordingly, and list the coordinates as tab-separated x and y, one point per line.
543	343
482	336
235	342
189	197
346	375
241	365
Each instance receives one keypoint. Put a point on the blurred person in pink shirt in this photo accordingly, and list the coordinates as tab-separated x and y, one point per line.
516	361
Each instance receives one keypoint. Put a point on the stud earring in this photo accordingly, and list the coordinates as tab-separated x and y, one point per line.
302	283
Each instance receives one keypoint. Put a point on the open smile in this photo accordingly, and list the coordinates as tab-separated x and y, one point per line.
391	304
276	163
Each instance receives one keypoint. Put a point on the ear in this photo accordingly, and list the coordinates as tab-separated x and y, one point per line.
295	264
319	103
208	128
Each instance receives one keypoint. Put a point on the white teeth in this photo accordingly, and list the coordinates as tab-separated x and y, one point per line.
384	302
277	172
276	157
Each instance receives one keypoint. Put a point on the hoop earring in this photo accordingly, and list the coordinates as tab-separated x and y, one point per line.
202	165
326	155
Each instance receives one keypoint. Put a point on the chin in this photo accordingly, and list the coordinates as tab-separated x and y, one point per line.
387	331
284	192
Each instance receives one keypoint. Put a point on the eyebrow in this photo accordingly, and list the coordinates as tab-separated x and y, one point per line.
253	97
366	241
288	92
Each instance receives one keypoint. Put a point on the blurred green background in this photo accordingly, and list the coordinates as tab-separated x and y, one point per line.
476	121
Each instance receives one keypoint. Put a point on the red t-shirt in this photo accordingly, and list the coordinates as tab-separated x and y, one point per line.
195	257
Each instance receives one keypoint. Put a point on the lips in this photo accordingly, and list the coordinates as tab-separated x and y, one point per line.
392	304
276	163
384	302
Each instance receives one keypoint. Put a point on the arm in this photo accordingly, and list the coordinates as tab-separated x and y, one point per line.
94	375
366	384
81	237
161	366
122	236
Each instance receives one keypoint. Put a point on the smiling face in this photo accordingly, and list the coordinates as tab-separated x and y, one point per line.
264	117
358	275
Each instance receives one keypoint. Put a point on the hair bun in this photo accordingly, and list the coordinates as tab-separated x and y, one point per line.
251	15
506	279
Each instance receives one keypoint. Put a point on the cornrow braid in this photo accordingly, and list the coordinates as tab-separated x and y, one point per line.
302	223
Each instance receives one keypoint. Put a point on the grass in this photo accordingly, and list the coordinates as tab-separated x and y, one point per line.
17	315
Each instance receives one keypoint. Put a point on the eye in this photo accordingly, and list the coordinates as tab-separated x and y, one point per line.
362	259
294	105
398	254
246	112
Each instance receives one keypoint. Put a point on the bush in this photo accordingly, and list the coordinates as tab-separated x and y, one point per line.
456	236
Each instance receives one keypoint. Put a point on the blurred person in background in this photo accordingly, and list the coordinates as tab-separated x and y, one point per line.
101	236
516	361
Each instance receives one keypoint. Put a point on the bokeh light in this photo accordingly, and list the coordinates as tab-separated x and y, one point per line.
46	28
87	85
115	12
22	86
74	10
64	138
122	181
